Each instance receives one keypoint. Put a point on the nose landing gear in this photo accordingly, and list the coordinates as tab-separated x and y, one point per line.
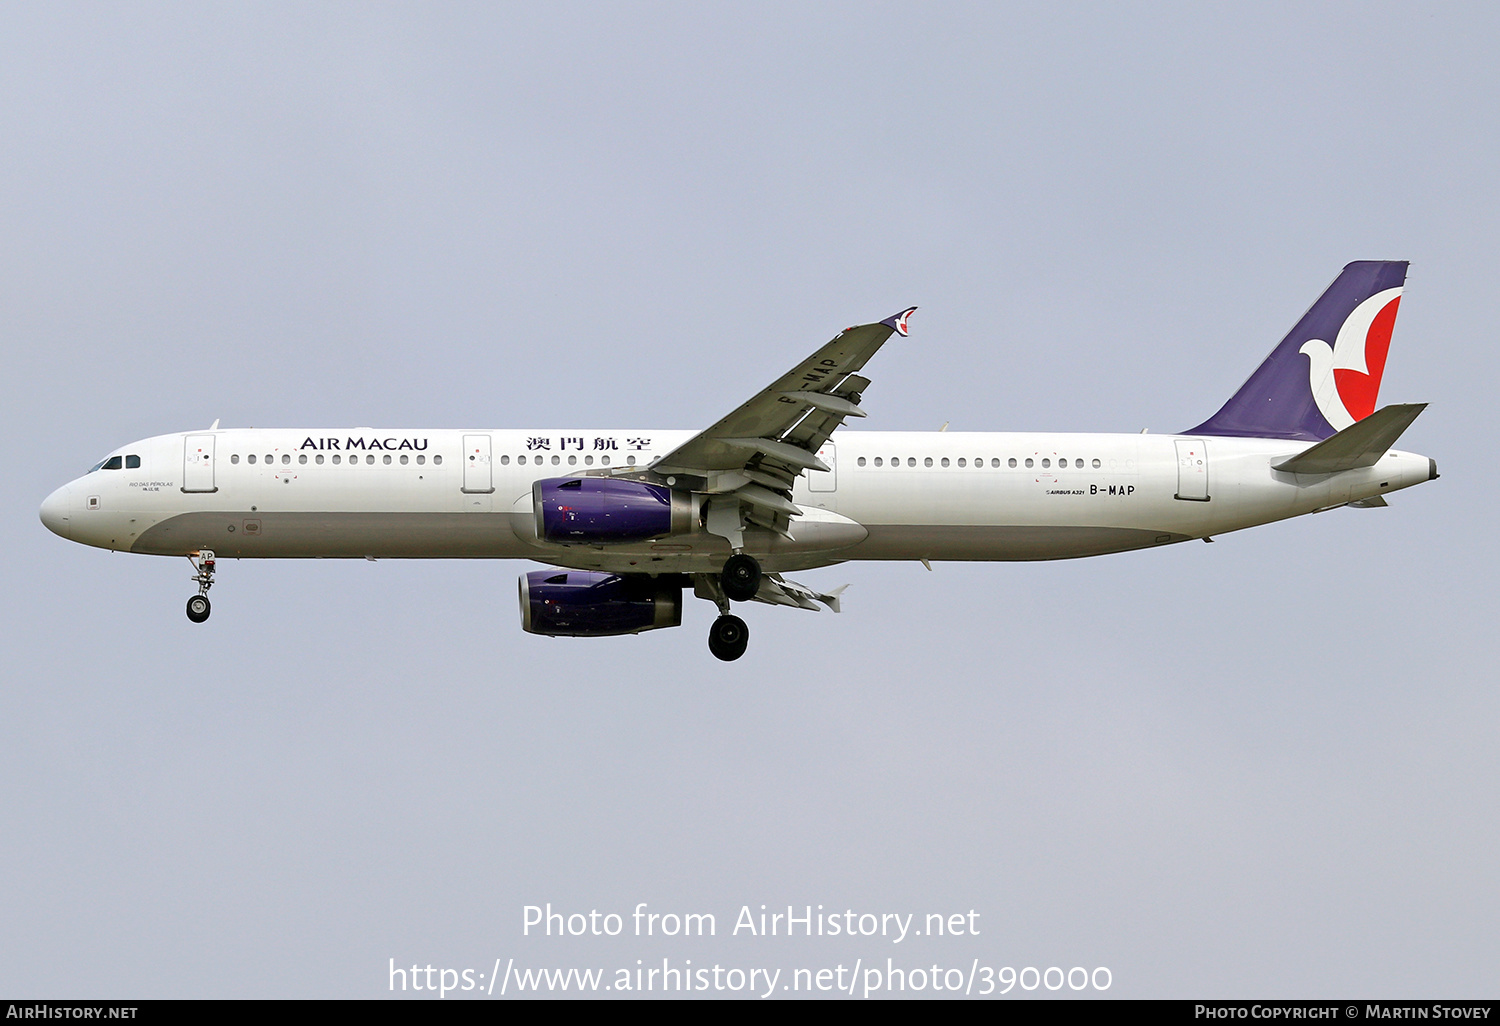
198	606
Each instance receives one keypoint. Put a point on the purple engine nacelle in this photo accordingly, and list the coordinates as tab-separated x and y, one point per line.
588	604
603	509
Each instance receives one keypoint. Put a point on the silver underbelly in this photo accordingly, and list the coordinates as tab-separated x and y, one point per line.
1000	542
281	535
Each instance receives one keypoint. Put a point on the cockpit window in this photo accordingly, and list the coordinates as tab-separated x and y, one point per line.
132	463
113	463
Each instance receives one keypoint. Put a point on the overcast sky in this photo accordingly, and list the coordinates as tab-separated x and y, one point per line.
1265	767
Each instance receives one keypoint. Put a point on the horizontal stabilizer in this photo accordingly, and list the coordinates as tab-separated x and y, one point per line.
1362	444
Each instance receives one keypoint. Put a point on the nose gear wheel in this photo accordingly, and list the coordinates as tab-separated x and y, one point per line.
198	607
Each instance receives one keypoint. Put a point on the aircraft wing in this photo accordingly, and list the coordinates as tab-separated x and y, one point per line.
757	452
779	430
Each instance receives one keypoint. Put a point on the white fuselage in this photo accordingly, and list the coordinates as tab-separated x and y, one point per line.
277	493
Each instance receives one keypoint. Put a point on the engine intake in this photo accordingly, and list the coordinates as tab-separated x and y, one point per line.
588	604
603	509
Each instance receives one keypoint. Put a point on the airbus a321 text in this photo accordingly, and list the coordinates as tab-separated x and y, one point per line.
631	518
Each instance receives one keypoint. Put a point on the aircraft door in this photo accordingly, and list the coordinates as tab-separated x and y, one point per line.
477	466
817	480
198	464
1192	470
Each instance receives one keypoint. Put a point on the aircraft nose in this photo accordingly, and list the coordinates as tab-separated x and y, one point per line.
55	511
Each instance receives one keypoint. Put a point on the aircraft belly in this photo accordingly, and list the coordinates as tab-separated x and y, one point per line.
243	534
1003	543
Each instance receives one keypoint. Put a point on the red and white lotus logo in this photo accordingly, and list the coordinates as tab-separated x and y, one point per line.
1345	376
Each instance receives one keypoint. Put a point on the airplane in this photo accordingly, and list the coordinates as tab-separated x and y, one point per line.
629	519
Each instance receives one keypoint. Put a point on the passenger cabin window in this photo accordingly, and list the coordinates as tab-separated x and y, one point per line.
251	457
235	458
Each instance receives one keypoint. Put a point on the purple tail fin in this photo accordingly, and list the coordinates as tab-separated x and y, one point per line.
1325	374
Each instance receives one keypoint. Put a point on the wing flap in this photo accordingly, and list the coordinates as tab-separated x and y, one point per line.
778	591
757	495
785	452
828	403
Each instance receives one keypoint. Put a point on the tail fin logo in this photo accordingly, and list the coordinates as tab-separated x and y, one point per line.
1345	376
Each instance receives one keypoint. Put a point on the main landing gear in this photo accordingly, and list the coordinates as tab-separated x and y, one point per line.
198	606
728	637
739	582
741	577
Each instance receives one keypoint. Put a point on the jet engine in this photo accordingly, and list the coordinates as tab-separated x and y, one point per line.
588	604
603	509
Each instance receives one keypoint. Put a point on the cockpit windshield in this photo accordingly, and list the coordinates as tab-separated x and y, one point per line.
115	463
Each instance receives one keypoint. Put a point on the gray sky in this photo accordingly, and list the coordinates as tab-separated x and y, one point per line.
1263	767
